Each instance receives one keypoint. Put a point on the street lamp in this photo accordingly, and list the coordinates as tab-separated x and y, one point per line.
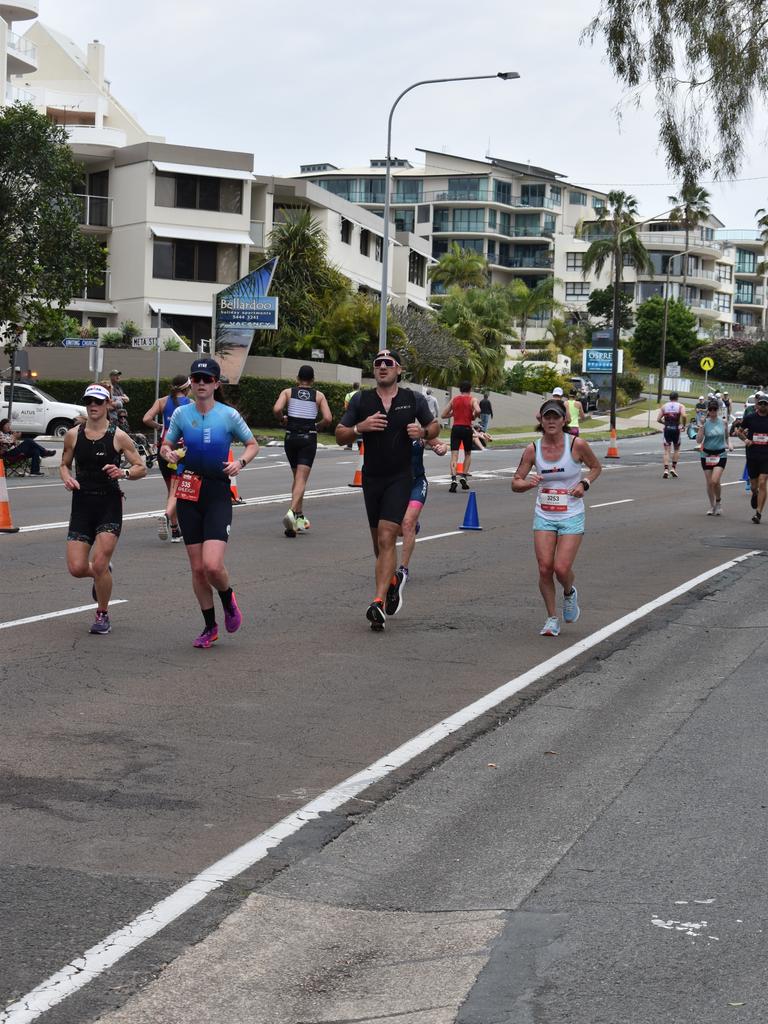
663	359
505	76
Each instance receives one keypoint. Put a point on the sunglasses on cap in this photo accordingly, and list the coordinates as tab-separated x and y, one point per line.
202	378
384	361
94	401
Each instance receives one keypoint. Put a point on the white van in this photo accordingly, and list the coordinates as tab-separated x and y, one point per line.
35	412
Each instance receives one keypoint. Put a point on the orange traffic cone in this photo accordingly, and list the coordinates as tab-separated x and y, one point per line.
6	523
357	479
613	451
460	462
236	499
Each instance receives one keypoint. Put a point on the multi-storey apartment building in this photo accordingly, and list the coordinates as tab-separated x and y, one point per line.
18	55
750	297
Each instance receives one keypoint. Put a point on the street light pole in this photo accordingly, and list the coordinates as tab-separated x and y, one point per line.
662	361
504	76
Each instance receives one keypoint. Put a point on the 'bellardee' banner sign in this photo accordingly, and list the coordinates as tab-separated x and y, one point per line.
239	310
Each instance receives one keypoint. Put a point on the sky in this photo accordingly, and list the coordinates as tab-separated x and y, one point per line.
304	82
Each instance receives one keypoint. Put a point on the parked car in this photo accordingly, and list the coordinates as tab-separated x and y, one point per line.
586	392
36	412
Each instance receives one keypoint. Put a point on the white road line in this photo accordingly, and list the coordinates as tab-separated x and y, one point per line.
437	536
57	615
114	947
605	504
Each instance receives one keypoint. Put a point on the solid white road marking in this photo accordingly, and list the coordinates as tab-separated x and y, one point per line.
56	615
437	536
114	947
605	504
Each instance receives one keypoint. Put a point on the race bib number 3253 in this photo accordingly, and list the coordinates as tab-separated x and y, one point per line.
554	500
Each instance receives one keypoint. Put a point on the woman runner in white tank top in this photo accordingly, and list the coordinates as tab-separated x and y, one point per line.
558	522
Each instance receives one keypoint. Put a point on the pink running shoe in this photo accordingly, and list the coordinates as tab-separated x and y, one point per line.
207	638
233	619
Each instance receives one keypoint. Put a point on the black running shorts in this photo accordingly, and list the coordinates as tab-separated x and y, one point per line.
386	497
757	462
459	434
300	449
672	436
208	518
419	490
722	460
93	514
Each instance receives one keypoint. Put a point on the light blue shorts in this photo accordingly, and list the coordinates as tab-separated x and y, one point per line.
562	527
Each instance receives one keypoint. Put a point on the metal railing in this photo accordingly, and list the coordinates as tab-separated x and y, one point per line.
95	211
23	46
529	231
536	262
753	298
13	94
648	238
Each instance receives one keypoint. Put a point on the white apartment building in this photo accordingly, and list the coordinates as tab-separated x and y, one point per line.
18	55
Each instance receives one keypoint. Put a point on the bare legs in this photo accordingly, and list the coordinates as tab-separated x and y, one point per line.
384	539
84	560
555	556
208	571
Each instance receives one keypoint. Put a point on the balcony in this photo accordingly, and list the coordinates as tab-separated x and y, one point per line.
19	10
523	262
15	95
98	290
529	231
676	240
87	140
754	298
22	55
487	196
95	211
748	269
701	304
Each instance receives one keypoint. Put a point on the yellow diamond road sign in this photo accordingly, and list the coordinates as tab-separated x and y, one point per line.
707	363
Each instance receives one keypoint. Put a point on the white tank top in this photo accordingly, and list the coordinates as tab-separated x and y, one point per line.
552	499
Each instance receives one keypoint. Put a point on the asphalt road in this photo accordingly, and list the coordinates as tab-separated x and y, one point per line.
132	762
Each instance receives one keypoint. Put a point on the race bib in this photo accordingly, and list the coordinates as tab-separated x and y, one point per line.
760	439
554	500
188	488
712	460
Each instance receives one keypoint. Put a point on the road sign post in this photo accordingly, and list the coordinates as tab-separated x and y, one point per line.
707	364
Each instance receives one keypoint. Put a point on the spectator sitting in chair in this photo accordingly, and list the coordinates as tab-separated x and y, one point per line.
13	448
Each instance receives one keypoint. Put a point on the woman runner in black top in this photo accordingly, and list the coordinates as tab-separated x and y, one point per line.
95	448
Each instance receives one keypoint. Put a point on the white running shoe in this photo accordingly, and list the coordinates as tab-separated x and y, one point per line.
163	530
551	627
289	522
571	610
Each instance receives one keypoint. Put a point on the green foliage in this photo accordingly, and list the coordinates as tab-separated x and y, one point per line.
349	331
600	307
681	332
129	330
730	356
539	379
50	325
707	61
45	258
112	339
632	385
172	345
433	354
756	361
615	236
526	303
481	319
460	268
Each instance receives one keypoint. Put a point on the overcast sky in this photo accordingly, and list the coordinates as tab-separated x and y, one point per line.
299	82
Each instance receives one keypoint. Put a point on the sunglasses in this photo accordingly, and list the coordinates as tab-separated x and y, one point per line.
94	401
202	378
384	361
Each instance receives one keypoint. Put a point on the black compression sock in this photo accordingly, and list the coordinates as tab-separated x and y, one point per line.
210	617
226	598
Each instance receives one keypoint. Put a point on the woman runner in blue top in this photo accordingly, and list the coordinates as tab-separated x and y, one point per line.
712	437
204	503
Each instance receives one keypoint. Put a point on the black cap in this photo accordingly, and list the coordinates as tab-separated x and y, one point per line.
209	366
305	373
390	352
553	405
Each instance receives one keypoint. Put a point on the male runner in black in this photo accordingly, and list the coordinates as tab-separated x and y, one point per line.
754	433
389	418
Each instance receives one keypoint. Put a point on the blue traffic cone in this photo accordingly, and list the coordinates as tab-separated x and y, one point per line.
471	520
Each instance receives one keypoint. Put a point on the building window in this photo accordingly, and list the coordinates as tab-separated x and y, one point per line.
745	319
722	302
181	260
724	272
442	219
475	244
404	220
423	214
745	291
532	195
416	265
577	198
550	223
464	188
577	289
378	249
346	231
372	190
527	224
502	191
198	192
556	194
746	261
491	220
408	190
491	251
598	203
439	248
468	220
365	241
574	260
505	223
346	188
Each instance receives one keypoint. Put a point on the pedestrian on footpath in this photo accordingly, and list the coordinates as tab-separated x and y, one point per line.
552	466
96	447
463	409
486	411
164	408
434	408
714	442
672	415
388	418
411	525
754	433
204	503
303	410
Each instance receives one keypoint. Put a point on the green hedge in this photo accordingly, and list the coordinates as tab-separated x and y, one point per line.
253	396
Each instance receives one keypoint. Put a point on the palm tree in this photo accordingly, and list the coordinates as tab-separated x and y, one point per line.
463	267
480	318
762	266
527	303
617	238
690	209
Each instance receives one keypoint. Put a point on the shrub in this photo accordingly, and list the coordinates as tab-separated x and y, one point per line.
129	330
729	354
538	379
631	384
112	339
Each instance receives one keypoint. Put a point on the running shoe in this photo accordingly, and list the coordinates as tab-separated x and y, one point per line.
101	624
233	619
464	484
551	627
756	517
673	472
718	508
665	475
453	488
207	638
711	512
302	523
238	501
289	522
571	610
753	500
394	599
176	537
93	588
163	530
376	616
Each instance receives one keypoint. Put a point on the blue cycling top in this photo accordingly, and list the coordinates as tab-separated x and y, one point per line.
207	437
417	459
169	409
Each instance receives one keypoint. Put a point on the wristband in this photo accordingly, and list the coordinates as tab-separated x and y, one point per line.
243	463
585	484
356	430
127	474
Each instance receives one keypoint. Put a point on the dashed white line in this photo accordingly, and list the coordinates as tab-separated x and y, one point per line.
605	504
105	954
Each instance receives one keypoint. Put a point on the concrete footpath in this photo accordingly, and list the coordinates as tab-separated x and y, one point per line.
598	857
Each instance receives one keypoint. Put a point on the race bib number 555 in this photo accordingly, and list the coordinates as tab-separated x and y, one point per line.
188	488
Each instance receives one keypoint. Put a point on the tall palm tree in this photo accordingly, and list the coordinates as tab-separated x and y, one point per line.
526	303
616	233
762	266
463	267
690	209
